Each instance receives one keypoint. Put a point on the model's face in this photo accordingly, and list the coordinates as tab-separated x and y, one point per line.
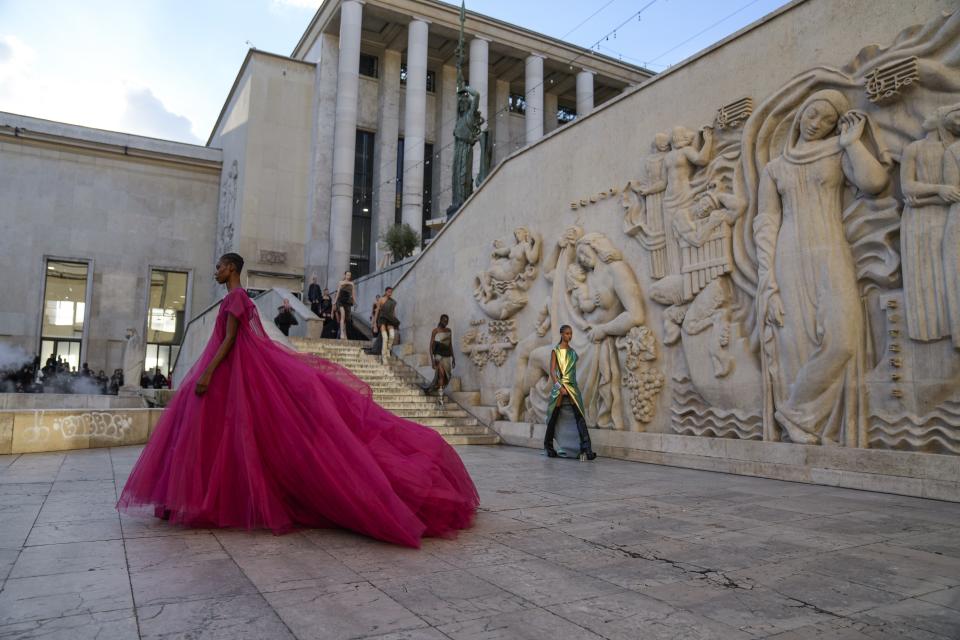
443	323
586	257
348	276
662	141
818	120
222	272
567	334
520	235
388	293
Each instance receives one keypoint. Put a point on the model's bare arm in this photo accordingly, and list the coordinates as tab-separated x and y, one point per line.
225	347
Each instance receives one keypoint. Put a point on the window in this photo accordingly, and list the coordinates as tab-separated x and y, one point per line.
427	188
64	311
431	78
566	114
166	319
369	65
516	103
361	230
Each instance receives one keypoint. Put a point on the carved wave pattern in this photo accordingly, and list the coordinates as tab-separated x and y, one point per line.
935	432
692	416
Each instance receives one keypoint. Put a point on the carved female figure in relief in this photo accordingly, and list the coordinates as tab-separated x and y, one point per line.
951	234
680	163
597	293
928	195
645	221
808	300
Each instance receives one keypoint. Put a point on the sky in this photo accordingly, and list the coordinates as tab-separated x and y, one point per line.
162	68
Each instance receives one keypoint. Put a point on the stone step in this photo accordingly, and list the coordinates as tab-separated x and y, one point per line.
462	430
473	440
446	422
466	398
421	412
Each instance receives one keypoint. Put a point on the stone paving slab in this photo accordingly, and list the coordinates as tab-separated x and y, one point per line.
561	550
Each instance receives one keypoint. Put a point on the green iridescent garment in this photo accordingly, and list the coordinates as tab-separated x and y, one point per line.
566	375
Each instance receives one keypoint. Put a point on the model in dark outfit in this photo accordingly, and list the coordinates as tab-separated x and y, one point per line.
344	303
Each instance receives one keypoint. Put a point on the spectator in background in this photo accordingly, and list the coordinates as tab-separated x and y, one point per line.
326	314
116	381
314	295
159	380
285	318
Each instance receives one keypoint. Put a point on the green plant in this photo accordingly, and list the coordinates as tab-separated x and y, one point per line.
402	240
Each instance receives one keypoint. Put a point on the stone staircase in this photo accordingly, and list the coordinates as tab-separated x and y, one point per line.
396	387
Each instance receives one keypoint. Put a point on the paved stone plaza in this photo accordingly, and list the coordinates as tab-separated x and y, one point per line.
562	550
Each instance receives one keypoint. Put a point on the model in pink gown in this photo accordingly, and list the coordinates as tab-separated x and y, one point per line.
277	439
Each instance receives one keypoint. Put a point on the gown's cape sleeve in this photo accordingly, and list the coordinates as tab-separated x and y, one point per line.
236	304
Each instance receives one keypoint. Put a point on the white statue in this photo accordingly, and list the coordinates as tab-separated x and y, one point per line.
595	292
132	360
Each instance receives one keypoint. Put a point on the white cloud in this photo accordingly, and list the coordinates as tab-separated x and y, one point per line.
300	4
145	114
89	99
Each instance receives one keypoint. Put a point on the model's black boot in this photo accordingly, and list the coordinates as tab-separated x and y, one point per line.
586	450
549	435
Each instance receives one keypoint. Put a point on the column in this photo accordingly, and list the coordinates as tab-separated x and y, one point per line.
345	138
551	103
584	93
533	83
317	249
479	58
385	150
503	145
415	124
446	119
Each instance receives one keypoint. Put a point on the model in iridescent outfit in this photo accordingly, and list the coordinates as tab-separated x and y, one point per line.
563	375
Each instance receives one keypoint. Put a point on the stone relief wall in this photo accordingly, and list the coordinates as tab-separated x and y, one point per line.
792	265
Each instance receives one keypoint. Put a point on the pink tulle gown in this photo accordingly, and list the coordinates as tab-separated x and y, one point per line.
283	440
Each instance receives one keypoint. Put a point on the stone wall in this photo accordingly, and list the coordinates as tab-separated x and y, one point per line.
747	246
265	133
124	203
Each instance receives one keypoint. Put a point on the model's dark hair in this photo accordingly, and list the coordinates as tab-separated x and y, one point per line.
565	326
235	259
443	317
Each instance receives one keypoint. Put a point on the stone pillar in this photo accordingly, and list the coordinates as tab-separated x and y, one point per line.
317	249
584	93
345	138
533	85
501	125
551	102
479	56
446	119
385	150
415	124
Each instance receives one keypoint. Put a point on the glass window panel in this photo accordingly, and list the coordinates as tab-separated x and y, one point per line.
166	314
65	292
369	65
